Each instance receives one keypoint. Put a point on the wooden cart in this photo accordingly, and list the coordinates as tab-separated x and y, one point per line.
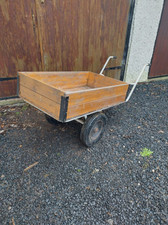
67	96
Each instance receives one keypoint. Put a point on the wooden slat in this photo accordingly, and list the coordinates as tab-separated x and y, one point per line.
41	88
40	102
60	80
48	74
81	109
96	80
69	81
94	95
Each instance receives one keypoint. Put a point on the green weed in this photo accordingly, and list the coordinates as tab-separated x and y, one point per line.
146	152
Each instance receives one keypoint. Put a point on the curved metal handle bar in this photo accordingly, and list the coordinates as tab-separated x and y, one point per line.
136	82
110	57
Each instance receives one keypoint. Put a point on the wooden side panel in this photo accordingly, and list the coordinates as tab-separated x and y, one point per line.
67	80
96	80
8	88
159	65
40	88
89	101
60	80
82	109
41	102
94	95
80	35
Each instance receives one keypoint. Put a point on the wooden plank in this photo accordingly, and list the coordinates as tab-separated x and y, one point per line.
8	88
81	109
68	80
45	74
94	95
41	88
96	80
159	65
76	89
60	80
44	104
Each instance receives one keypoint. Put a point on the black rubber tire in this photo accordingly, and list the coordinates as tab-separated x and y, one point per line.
51	120
93	129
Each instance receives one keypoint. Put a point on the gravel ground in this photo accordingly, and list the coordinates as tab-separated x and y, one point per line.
110	183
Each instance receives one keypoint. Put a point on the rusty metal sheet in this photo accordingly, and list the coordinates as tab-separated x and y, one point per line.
8	88
60	35
80	35
159	65
19	48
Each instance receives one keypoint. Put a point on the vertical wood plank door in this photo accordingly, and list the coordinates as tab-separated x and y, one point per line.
19	42
159	64
79	35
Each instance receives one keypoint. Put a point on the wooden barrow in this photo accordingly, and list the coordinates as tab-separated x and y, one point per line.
67	96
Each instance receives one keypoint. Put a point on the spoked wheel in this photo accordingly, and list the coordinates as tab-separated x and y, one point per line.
93	129
51	120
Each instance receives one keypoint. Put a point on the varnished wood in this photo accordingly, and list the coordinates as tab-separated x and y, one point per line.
94	93
84	108
40	88
96	80
41	102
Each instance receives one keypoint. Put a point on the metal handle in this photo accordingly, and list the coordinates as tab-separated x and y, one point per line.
136	82
110	57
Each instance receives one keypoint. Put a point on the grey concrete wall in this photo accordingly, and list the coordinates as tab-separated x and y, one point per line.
144	30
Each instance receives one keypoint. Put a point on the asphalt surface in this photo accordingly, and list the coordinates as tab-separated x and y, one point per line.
110	183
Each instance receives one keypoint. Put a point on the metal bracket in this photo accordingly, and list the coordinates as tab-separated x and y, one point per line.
114	68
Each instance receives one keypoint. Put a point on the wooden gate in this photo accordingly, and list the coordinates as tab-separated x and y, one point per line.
60	35
159	65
